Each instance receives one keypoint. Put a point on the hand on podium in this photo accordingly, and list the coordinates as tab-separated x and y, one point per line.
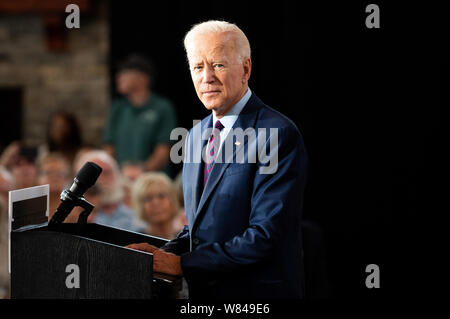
163	262
143	247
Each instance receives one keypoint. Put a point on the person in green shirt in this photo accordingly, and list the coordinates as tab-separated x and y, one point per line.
139	124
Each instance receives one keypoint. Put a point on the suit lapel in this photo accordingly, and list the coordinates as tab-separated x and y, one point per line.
245	120
197	175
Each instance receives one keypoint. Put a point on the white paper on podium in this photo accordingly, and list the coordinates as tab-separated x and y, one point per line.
20	195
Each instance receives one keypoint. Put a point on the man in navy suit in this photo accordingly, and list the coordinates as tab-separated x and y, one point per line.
243	238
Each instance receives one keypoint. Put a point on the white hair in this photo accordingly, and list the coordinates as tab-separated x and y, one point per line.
93	155
147	182
111	193
215	26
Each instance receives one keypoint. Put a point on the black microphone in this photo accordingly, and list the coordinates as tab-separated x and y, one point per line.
86	177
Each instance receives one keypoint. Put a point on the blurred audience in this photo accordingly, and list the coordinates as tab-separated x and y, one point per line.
63	136
139	124
10	155
20	161
7	183
4	274
181	217
54	170
155	201
24	170
111	210
130	172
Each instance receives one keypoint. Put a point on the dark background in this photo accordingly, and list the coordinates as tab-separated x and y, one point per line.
375	142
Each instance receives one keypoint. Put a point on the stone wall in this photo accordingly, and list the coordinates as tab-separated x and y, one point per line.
76	79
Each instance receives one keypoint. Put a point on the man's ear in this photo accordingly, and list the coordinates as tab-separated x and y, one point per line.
247	64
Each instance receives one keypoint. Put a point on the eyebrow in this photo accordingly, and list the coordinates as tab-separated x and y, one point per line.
214	61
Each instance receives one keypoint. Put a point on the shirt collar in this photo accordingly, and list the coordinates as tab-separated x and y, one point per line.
230	117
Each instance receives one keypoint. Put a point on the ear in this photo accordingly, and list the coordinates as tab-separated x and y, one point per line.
247	64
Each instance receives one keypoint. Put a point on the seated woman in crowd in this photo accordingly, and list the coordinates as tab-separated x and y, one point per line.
155	201
63	136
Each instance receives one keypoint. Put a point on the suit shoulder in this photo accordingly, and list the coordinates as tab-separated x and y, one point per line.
271	118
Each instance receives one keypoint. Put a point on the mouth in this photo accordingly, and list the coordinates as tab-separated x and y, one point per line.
208	93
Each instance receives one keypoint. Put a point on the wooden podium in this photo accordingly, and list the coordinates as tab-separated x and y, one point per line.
43	260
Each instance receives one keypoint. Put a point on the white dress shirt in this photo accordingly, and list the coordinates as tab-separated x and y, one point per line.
231	116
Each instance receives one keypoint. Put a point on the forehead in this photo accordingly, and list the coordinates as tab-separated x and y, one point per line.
156	187
130	72
103	164
53	163
212	45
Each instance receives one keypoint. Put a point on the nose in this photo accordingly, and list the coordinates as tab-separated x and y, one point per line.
208	75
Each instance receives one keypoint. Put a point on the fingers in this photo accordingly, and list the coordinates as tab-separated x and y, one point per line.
150	248
163	262
143	247
167	263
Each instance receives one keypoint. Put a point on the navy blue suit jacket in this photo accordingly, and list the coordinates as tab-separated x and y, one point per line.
243	238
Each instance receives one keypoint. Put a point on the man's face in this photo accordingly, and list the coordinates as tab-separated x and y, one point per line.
56	174
107	178
220	79
109	183
128	81
59	129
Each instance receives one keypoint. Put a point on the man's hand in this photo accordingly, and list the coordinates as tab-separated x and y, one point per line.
167	263
143	247
163	262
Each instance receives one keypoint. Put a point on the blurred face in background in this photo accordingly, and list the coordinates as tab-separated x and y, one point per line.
129	81
59	129
54	172
24	173
130	172
157	205
109	182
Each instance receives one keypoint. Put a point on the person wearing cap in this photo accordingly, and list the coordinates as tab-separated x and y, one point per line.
139	124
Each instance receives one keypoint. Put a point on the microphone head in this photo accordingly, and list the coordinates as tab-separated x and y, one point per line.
88	174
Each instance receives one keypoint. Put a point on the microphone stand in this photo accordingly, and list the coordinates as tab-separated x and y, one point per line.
69	201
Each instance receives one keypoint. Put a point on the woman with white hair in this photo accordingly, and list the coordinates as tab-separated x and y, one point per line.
155	201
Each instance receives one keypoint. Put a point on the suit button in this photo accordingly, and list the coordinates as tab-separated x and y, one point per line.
195	241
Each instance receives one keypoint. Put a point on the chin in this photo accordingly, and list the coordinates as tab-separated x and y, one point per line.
212	106
122	90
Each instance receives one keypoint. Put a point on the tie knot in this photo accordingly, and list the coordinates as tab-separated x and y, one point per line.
219	126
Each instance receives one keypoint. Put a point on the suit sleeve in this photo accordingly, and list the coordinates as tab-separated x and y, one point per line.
180	244
274	204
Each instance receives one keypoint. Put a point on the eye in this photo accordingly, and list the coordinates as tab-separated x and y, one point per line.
218	66
197	67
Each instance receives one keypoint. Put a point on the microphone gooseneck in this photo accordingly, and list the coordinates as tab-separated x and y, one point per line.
85	178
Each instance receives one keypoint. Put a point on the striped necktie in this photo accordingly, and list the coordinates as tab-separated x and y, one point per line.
211	151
